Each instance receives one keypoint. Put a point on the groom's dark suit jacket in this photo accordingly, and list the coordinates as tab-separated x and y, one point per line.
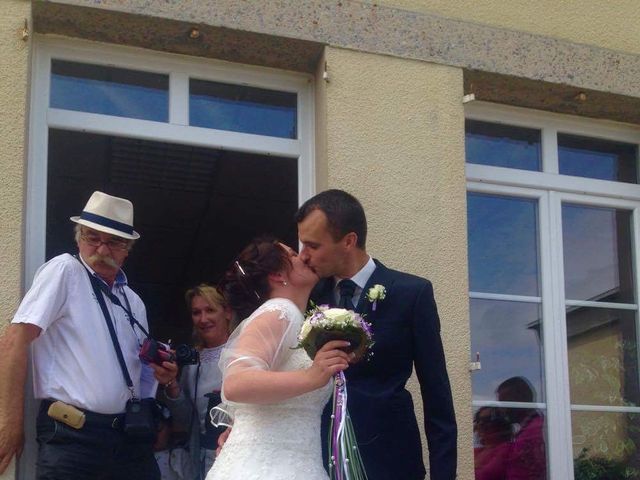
406	331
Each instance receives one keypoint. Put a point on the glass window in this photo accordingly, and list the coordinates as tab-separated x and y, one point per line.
243	109
503	244
603	356
597	254
502	145
109	91
606	445
508	337
510	443
595	158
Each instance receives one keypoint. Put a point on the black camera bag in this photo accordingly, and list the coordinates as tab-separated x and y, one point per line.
141	420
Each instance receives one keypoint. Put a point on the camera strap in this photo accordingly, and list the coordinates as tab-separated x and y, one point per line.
95	284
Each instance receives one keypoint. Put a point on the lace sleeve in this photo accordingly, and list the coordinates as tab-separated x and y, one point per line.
263	341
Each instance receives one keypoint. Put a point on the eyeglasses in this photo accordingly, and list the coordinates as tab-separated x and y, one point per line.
112	244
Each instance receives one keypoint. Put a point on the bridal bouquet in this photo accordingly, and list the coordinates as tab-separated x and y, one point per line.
322	325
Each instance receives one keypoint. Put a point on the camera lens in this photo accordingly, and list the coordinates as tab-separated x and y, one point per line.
186	355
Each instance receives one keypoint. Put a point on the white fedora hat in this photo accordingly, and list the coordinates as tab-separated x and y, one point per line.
108	214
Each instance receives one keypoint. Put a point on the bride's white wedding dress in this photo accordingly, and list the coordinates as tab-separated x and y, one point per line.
279	441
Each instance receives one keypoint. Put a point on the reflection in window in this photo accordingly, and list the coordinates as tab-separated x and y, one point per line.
510	443
503	244
502	145
597	254
242	109
109	91
595	158
603	356
606	445
508	336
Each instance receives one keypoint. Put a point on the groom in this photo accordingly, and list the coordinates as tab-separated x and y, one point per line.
332	229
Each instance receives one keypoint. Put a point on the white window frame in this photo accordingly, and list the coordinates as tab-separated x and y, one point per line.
177	130
551	190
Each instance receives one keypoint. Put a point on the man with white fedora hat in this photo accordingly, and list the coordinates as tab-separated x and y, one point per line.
86	328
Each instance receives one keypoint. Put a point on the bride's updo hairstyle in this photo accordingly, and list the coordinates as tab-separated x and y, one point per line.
245	285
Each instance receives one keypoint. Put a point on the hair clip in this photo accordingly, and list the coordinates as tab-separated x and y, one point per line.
244	274
240	269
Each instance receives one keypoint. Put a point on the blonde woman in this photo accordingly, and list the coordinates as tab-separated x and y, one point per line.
211	327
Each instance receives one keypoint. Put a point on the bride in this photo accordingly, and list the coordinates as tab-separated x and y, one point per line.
275	392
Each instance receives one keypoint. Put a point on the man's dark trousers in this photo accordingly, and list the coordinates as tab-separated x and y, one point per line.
97	451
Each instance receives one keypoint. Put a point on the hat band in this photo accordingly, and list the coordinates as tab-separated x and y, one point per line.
107	222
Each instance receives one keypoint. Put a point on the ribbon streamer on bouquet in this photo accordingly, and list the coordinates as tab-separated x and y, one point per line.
345	462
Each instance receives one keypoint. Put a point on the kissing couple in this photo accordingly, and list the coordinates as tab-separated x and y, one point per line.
278	396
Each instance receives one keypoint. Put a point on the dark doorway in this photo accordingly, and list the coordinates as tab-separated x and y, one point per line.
195	208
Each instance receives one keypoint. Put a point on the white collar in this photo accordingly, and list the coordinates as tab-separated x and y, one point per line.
362	277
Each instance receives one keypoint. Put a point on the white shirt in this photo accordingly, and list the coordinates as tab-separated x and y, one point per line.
209	380
360	279
74	359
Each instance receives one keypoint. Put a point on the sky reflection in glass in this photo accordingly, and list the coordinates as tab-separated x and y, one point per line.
597	254
595	158
508	336
109	91
503	244
243	109
502	145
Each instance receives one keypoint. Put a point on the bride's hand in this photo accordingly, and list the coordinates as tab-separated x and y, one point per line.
329	360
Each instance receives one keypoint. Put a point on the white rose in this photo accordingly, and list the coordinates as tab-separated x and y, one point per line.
305	330
337	316
377	292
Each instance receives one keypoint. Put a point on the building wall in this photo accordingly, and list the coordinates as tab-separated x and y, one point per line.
14	81
610	25
14	76
394	136
595	360
14	71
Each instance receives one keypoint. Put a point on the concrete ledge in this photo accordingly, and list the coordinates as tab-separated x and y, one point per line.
553	97
343	23
173	36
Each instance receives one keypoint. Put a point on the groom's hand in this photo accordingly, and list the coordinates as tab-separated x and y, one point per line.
329	360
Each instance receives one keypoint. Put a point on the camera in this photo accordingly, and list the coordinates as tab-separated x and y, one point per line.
186	355
156	352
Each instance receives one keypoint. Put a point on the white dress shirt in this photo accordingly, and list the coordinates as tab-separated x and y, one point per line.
74	359
360	279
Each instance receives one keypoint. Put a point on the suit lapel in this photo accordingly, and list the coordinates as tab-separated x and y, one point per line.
323	292
379	276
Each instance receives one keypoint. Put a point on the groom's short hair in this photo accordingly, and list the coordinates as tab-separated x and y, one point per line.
343	211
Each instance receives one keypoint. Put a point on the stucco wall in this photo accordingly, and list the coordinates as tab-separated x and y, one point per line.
14	62
611	25
14	70
393	133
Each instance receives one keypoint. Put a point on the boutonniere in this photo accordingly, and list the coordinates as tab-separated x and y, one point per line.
376	294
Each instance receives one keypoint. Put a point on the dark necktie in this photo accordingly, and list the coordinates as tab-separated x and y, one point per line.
347	289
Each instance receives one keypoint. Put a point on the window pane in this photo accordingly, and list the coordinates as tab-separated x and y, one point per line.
502	145
503	244
110	91
510	443
594	158
243	109
603	356
606	445
508	336
597	254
